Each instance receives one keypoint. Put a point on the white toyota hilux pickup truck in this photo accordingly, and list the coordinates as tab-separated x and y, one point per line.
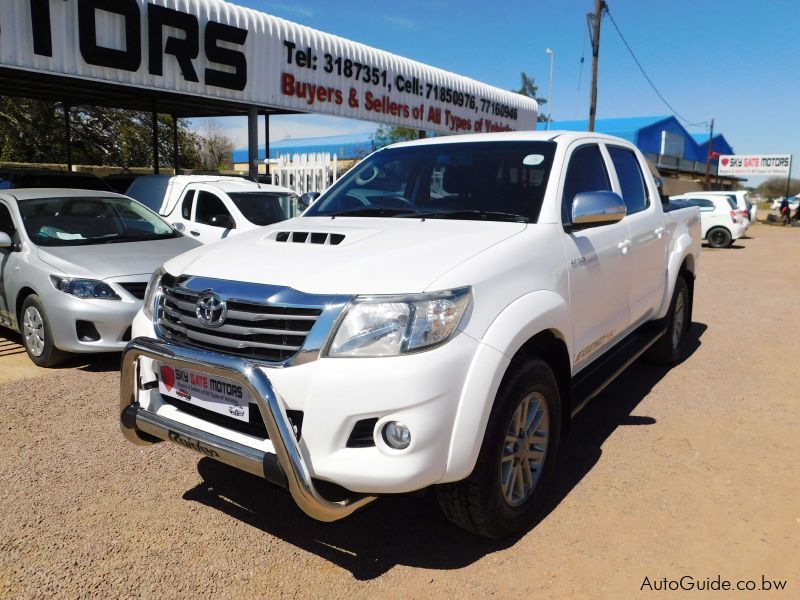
435	319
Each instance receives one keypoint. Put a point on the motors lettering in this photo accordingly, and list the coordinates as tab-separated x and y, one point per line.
198	380
195	445
161	22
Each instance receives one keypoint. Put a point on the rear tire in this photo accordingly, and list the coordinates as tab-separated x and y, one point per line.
669	347
719	237
504	493
37	337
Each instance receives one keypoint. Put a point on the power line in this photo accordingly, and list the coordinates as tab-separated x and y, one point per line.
650	81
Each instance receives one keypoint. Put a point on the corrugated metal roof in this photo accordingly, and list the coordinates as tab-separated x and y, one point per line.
624	127
343	146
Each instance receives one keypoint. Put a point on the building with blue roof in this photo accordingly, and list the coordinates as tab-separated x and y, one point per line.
680	156
344	147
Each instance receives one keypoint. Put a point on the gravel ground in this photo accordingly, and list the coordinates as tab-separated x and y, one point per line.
690	471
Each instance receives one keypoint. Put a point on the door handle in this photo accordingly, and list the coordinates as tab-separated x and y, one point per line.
195	233
659	232
623	246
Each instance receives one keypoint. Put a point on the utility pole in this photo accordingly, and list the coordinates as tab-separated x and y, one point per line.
708	156
594	21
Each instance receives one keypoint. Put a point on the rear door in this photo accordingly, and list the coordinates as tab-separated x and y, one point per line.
597	260
646	232
211	220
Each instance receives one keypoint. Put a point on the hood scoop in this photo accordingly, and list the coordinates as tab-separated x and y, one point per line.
310	237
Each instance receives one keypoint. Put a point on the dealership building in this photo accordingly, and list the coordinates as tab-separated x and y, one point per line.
200	58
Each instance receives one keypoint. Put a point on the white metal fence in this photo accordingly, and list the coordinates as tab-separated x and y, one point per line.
305	172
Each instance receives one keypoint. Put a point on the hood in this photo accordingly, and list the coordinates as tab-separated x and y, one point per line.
103	261
348	255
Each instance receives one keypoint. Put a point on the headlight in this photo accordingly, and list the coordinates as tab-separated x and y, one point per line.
151	292
84	288
393	325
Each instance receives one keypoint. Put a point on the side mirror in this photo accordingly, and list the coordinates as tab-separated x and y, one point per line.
307	199
5	240
590	209
179	227
224	221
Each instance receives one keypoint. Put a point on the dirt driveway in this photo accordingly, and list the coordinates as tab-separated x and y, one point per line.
669	473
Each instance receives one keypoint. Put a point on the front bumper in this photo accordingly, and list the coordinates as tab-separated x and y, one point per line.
111	318
286	464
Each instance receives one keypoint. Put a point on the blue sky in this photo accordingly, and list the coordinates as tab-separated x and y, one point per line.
736	61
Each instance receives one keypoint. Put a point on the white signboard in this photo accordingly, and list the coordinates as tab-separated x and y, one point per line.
763	164
213	49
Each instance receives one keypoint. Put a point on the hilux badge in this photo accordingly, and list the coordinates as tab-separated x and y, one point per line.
211	309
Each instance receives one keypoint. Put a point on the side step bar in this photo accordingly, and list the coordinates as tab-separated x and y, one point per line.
595	377
287	467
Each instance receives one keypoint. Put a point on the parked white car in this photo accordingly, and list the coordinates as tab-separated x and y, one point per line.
746	209
794	202
721	220
74	265
211	208
435	318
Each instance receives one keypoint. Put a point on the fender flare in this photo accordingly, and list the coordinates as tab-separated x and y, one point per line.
681	253
539	311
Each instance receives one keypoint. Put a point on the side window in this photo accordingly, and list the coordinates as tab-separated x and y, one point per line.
630	178
6	222
208	208
586	173
704	205
186	205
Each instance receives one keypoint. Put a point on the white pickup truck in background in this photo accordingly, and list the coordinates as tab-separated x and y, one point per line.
212	207
435	318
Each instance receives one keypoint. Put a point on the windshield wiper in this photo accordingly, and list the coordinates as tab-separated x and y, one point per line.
129	238
482	215
366	211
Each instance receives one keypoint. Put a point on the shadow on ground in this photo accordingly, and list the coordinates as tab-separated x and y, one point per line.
409	529
11	344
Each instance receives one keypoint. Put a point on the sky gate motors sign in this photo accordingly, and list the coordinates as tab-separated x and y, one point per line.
217	50
764	164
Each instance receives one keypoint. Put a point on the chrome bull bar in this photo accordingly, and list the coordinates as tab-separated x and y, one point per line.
143	427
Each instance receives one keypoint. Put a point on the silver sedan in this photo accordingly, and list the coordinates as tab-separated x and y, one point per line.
74	265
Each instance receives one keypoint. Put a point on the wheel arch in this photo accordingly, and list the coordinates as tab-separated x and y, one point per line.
22	295
511	337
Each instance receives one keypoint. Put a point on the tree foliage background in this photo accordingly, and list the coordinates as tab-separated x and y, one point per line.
529	88
775	187
33	131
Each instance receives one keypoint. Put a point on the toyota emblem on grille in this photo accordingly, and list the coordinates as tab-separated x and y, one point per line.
211	309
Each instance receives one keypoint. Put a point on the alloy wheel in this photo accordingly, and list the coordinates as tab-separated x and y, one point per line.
524	449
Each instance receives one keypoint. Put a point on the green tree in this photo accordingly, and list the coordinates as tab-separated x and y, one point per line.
529	88
775	187
385	135
33	131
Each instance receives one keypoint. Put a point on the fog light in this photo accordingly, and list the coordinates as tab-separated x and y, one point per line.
396	435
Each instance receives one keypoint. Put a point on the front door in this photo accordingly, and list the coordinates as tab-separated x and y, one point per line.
8	258
212	220
597	260
646	232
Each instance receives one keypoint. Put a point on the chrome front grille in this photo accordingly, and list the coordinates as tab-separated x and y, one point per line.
263	323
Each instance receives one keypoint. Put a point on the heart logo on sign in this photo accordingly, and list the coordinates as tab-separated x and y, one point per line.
168	377
725	162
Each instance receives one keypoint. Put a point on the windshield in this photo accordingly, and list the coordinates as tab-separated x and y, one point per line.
76	221
493	181
265	208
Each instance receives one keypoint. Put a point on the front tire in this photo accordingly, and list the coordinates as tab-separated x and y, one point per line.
37	337
504	493
719	237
